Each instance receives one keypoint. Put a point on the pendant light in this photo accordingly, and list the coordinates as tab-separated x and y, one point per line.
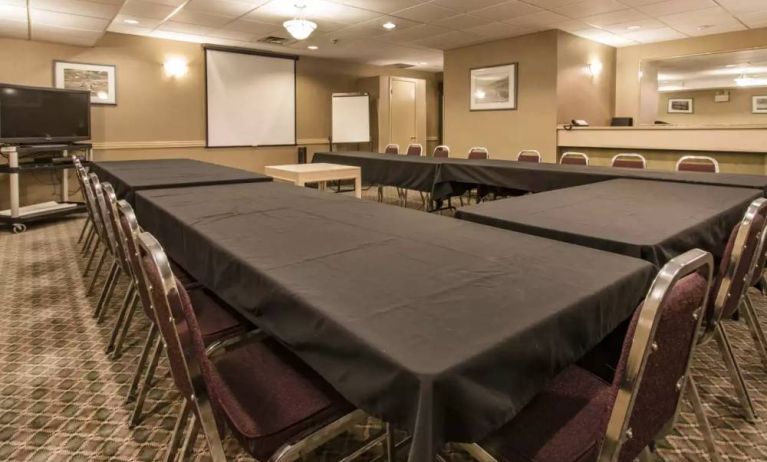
300	27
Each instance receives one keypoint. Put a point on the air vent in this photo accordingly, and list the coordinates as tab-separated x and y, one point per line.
401	65
274	40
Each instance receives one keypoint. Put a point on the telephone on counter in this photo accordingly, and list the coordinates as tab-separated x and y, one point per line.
576	123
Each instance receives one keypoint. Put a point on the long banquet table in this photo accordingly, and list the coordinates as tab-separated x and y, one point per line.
442	327
651	220
129	176
453	176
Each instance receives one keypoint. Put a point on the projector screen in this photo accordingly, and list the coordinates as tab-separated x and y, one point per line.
251	99
351	118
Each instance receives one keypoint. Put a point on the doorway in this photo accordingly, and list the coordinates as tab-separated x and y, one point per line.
404	130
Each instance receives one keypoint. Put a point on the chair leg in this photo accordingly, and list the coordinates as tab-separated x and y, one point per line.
178	431
764	284
700	414
390	447
136	415
190	438
148	348
92	257
107	290
380	194
117	351
95	276
736	376
128	301
755	327
89	240
82	232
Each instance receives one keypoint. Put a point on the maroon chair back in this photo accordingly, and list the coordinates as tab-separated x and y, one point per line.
529	155
392	149
738	262
629	161
478	153
103	220
415	150
652	373
121	253
90	198
131	231
697	164
441	151
574	158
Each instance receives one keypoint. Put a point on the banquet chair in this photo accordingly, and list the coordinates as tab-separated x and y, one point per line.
217	321
88	223
294	410
732	280
478	152
95	235
415	149
441	151
108	243
574	158
747	307
582	417
391	149
529	155
629	160
697	164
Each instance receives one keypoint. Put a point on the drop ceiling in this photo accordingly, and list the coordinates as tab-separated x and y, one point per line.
352	29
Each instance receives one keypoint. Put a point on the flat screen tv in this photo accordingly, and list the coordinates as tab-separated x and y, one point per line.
36	115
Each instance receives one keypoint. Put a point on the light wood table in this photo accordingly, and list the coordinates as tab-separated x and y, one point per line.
320	173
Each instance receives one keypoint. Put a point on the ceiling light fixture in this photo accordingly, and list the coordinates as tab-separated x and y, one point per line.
704	26
389	25
313	47
130	21
300	27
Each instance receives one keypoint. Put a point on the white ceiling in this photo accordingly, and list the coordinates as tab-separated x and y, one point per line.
351	29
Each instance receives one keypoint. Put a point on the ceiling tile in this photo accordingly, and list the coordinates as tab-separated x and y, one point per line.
145	9
147	23
201	18
13	12
499	30
184	28
451	40
615	17
52	33
413	34
79	7
585	8
655	35
668	7
467	6
50	18
461	21
743	6
507	10
231	8
381	6
543	19
633	26
425	12
13	29
754	20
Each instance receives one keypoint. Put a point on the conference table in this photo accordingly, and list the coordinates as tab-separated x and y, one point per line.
442	327
454	176
652	220
130	176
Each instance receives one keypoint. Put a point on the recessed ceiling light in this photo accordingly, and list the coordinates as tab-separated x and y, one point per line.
130	21
389	25
313	47
633	27
423	63
704	27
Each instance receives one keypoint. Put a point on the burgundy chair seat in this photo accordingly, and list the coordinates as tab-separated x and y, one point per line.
216	320
186	279
274	400
565	423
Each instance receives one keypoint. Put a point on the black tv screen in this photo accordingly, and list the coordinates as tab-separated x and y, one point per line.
43	115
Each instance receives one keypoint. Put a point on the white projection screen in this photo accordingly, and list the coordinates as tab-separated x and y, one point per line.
251	99
351	118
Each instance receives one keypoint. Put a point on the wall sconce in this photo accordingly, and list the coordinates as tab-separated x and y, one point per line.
595	68
176	67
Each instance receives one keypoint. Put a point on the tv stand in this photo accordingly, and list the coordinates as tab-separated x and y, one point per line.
18	216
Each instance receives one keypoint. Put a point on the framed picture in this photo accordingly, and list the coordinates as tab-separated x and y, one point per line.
494	88
680	106
99	79
759	104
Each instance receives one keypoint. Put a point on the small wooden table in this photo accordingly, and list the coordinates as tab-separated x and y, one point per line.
320	173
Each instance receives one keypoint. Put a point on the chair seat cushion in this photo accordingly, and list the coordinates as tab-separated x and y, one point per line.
216	319
270	397
564	423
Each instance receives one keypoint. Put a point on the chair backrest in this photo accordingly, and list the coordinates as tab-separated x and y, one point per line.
529	155
131	231
113	221
739	259
87	190
101	205
170	300
652	372
478	152
574	158
442	151
697	164
392	149
415	149
629	160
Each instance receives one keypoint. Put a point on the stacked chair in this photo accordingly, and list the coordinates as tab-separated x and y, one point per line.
203	340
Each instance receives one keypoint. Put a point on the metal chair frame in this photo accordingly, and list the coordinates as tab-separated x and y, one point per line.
701	159
107	241
629	156
87	228
117	267
573	154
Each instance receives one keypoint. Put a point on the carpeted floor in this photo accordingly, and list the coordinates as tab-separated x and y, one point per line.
62	398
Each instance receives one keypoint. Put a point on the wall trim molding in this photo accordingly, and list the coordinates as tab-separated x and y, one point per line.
113	145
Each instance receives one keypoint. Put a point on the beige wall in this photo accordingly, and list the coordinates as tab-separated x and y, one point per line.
581	95
155	113
504	133
735	112
629	60
554	85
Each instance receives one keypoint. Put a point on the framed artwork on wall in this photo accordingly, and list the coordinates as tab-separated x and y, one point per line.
99	79
680	106
759	104
494	88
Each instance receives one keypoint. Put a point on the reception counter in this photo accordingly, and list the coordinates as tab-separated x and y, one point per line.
739	149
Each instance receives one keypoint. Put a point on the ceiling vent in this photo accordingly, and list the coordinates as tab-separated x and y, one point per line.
401	66
274	40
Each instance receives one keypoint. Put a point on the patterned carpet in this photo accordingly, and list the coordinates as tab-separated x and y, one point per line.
62	398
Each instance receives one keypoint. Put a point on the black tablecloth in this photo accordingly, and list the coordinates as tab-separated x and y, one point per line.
458	174
127	177
409	172
652	220
443	327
